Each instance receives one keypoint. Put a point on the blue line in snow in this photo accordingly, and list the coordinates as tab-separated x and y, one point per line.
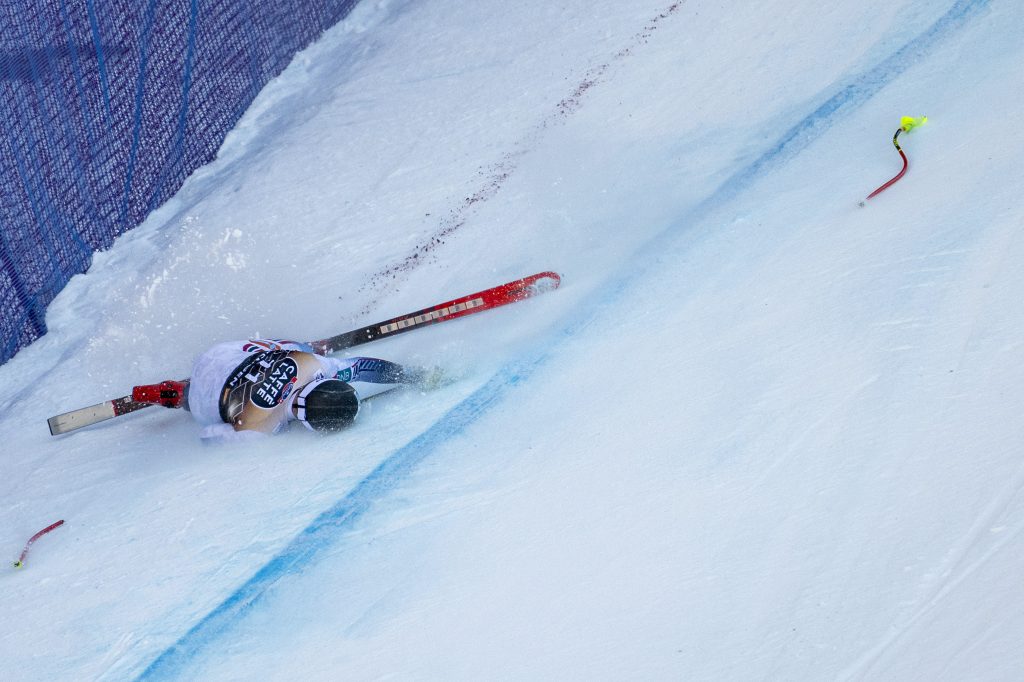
327	527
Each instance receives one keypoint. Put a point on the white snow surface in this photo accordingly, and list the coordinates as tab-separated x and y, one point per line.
760	432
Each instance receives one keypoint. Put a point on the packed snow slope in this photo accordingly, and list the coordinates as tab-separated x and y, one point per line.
760	431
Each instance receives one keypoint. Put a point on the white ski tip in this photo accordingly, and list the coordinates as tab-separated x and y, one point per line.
76	419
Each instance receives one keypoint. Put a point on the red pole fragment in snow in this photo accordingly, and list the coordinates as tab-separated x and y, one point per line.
902	170
24	553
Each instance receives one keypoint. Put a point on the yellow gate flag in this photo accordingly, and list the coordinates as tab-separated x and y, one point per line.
908	123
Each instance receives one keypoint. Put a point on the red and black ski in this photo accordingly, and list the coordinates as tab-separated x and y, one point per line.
487	299
442	312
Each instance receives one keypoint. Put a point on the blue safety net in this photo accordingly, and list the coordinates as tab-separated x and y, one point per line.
106	106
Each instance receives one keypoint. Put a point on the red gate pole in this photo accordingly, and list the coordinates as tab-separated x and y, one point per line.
907	123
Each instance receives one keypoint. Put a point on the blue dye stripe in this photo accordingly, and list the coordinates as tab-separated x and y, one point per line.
329	526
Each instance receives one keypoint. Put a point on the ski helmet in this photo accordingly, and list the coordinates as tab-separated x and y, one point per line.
327	405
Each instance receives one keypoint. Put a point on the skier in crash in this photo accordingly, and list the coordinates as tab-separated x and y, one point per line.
248	389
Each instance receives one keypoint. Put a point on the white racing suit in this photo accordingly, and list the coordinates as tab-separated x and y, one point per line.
245	389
